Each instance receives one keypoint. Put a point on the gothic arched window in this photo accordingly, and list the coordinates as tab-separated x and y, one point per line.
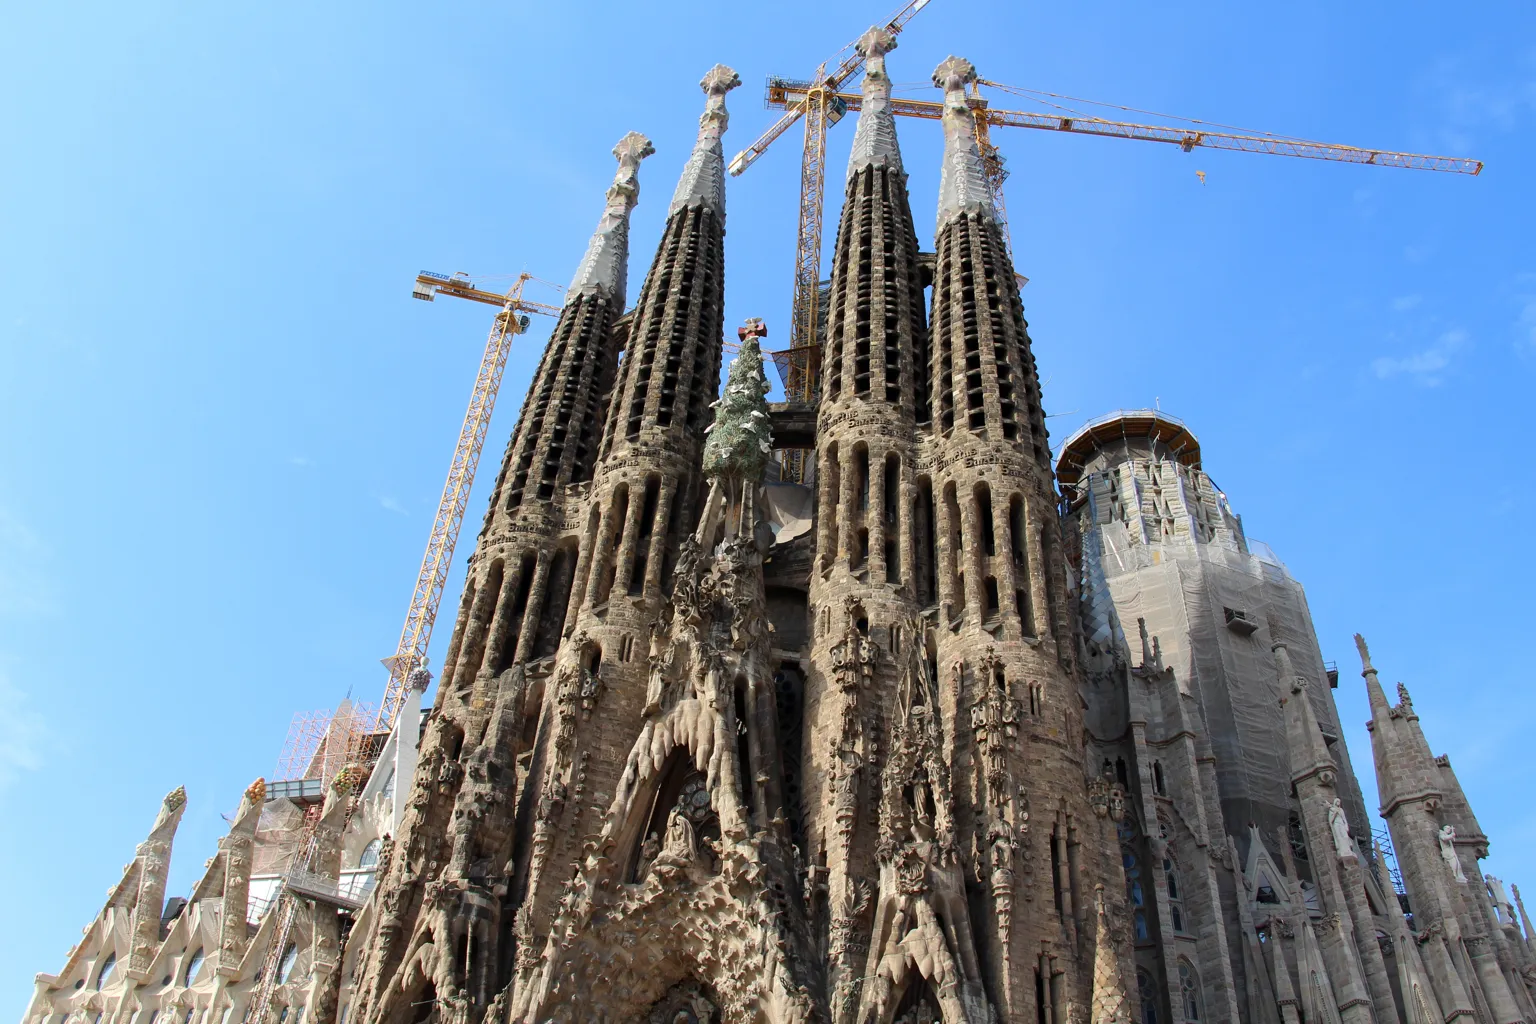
285	967
107	968
1146	991
1135	893
1175	895
194	964
1189	991
369	858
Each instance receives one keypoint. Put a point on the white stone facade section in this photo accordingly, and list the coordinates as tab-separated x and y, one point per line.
604	268
874	140
703	180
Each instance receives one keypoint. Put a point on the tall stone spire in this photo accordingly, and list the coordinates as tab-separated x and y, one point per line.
672	362
1110	1005
874	140
1426	816
962	181
1350	949
603	268
1309	753
154	857
1373	691
642	503
238	848
521	575
703	180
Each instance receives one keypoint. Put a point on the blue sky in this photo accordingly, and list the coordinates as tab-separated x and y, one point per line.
226	423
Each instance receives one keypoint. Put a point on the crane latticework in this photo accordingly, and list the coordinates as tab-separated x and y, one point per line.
821	106
808	249
782	92
433	575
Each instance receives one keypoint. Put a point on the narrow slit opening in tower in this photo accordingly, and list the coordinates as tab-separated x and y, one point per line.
617	514
642	552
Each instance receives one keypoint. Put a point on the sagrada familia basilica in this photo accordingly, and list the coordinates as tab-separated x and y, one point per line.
958	733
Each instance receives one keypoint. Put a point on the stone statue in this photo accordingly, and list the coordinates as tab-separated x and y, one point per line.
680	847
1448	853
685	580
648	853
655	690
1338	824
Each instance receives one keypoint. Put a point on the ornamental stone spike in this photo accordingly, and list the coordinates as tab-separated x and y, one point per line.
703	179
874	140
604	268
1373	689
962	181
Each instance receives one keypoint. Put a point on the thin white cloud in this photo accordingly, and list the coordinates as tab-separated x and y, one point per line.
22	735
25	587
299	460
1525	322
1470	105
1403	303
1526	343
1428	365
390	504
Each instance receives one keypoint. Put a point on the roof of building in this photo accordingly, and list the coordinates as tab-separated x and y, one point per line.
1122	425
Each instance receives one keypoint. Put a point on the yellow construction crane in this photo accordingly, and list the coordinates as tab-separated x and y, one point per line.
800	364
820	104
428	595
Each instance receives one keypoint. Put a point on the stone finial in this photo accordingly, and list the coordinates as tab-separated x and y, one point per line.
703	180
629	151
962	181
874	140
718	81
1365	656
604	268
952	75
249	811
419	678
873	45
170	809
1373	690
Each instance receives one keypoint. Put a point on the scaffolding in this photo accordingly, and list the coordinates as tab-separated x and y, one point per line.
799	368
321	744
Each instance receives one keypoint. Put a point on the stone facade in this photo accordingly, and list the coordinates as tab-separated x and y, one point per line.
971	749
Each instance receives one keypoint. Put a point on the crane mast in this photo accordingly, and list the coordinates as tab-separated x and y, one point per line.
821	107
435	563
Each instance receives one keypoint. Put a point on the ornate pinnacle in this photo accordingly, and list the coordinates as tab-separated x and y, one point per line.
1365	655
873	46
256	792
703	180
874	140
604	266
1373	689
962	181
717	81
952	75
631	149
